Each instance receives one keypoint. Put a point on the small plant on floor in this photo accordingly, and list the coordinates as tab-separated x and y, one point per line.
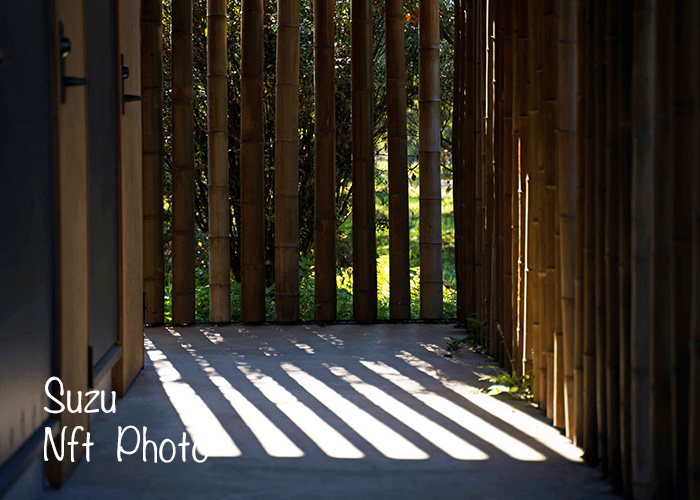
516	385
455	344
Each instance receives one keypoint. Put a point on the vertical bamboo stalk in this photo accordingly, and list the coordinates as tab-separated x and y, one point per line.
490	178
183	164
478	68
287	163
661	232
612	246
152	140
685	159
324	160
217	133
694	342
549	101
642	214
363	226
533	325
429	161
600	126
399	298
469	153
590	401
497	276
624	72
506	55
458	170
566	189
580	220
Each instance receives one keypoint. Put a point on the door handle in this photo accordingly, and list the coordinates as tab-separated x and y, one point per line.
65	49
126	97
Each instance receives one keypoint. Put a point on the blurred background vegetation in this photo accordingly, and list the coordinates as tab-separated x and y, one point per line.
306	140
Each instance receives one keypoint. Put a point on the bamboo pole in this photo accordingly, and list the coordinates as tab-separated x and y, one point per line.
506	55
287	163
152	140
612	247
458	165
183	164
685	157
549	100
694	342
566	189
217	133
642	214
590	401
324	160
580	220
490	175
479	115
429	162
469	154
532	262
363	226
399	278
624	72
252	168
660	363
600	126
497	276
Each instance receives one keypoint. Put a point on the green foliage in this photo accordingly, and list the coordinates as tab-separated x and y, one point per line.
511	383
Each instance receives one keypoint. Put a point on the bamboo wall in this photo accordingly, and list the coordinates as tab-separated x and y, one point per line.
585	190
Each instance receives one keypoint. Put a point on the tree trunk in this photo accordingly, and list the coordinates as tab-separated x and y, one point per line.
363	226
399	278
183	164
287	163
324	160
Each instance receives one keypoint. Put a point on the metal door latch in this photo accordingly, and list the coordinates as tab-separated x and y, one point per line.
126	97
65	49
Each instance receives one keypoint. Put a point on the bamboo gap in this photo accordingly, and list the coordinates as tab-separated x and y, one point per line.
217	136
590	402
363	225
287	163
599	247
183	164
457	151
324	161
566	191
661	232
684	159
532	331
400	290
252	164
152	143
549	100
642	213
580	221
479	114
469	155
624	71
506	75
612	247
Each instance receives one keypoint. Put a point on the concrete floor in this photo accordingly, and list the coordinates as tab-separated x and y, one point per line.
344	411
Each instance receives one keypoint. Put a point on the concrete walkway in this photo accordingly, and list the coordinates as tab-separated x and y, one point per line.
344	411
